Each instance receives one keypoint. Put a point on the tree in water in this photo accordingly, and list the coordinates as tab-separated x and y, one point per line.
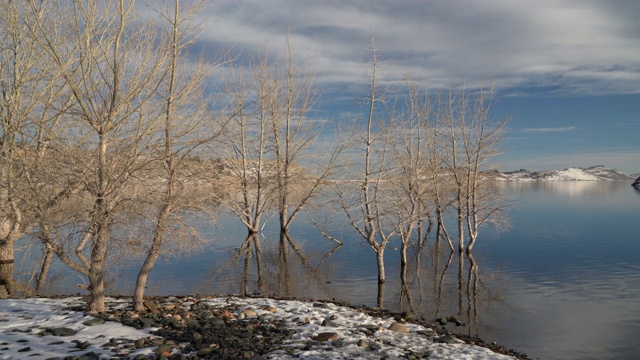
109	60
366	204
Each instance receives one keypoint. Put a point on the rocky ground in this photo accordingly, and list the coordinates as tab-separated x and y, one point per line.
247	328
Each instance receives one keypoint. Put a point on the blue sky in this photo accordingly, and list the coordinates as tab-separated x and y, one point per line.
567	71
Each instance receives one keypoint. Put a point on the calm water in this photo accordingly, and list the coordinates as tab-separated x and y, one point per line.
562	283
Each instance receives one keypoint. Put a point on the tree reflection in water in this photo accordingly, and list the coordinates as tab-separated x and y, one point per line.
279	268
432	289
429	286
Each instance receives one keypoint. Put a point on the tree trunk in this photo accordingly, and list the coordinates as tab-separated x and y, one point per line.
6	269
460	283
381	276
442	230
46	264
460	231
403	255
473	235
256	243
283	271
96	272
244	286
150	260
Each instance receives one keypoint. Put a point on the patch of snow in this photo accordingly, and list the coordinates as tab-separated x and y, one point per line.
350	323
573	174
594	173
21	320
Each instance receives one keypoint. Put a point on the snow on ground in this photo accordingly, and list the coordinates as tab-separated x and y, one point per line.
573	174
21	321
391	344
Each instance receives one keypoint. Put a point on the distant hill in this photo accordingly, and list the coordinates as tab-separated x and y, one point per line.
594	173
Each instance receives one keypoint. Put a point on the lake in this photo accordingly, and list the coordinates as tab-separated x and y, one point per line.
562	283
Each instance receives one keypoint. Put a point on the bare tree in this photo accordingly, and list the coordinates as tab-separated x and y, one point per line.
366	206
187	125
110	62
439	183
299	172
411	128
483	141
31	99
271	156
471	140
247	167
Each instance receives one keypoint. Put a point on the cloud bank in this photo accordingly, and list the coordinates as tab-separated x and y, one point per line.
551	47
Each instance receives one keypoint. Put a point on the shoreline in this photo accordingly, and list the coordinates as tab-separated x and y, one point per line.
295	328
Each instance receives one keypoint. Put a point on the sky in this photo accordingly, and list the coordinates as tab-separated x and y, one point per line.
567	72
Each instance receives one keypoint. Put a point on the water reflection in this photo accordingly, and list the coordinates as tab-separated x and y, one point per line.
37	273
571	189
279	268
563	278
451	296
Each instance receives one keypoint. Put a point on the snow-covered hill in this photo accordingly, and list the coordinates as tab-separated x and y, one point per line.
594	173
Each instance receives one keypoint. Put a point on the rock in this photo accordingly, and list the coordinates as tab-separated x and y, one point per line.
426	332
63	331
162	349
94	321
205	352
227	314
636	184
325	336
329	323
363	343
446	339
139	343
248	313
147	323
89	356
82	345
151	305
397	327
197	338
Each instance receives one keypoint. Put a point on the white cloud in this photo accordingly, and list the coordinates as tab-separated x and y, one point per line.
577	47
552	129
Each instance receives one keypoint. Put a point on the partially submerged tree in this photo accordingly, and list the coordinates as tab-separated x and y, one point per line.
272	155
31	102
247	165
366	204
471	140
110	61
410	156
186	124
299	172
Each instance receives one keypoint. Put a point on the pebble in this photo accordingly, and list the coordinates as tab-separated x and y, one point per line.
325	336
399	328
192	329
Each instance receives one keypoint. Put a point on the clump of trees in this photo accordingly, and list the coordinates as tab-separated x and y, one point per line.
420	156
111	140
